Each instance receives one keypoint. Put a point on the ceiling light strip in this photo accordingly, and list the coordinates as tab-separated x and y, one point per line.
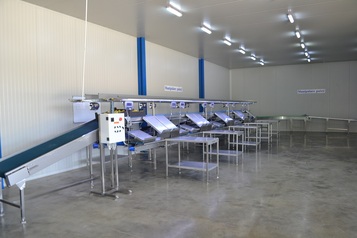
227	42
206	29
291	18
174	10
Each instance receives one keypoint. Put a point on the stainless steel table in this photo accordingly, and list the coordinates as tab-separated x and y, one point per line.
252	135
266	129
207	148
233	139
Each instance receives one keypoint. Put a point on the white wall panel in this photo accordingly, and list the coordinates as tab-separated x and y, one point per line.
41	68
216	81
339	90
18	75
111	61
353	91
317	105
168	67
275	89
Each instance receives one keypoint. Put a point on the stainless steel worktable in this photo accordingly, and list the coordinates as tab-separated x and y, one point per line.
233	139
205	165
252	135
266	129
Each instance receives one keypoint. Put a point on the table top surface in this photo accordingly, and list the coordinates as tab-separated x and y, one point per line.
244	126
193	139
225	132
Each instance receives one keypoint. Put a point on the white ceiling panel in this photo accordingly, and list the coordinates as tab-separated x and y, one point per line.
328	27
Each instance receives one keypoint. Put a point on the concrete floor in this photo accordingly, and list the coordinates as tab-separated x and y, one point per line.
303	185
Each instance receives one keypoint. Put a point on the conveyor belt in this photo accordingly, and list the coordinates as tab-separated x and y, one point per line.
13	162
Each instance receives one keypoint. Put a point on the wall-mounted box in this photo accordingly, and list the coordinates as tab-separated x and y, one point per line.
111	128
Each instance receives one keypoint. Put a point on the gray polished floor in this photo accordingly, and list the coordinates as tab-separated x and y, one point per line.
303	185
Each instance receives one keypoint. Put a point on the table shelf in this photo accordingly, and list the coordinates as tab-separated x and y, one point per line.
207	148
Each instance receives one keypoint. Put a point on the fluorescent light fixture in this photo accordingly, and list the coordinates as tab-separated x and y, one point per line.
297	33
306	54
174	10
241	50
227	42
308	60
291	18
206	29
261	62
253	57
302	44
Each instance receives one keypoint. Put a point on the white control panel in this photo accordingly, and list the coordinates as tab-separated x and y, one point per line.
111	128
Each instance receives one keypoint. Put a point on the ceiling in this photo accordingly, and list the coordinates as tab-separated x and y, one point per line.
328	27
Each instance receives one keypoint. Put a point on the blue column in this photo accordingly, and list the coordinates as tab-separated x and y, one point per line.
141	66
201	80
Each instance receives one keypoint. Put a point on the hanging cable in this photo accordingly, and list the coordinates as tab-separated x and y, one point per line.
85	48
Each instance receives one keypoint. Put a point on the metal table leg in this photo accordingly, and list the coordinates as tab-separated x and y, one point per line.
217	160
21	186
167	160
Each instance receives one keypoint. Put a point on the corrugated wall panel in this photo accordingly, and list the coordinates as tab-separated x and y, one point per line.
168	67
18	75
41	68
280	84
216	81
111	61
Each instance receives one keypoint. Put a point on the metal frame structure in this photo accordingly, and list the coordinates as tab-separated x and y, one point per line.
266	129
207	150
327	119
252	135
153	144
272	122
233	139
30	161
18	173
306	118
145	99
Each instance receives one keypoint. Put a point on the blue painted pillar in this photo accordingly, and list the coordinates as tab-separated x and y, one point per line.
201	80
141	53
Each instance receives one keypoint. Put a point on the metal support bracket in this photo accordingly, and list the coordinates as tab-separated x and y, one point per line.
114	174
21	185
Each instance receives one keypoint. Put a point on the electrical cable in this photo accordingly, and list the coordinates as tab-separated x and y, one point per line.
85	48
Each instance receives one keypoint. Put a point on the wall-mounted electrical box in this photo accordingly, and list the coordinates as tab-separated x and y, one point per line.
111	128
